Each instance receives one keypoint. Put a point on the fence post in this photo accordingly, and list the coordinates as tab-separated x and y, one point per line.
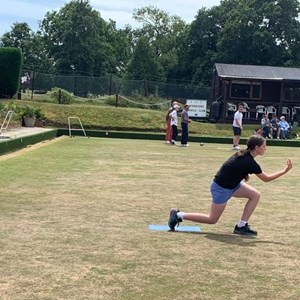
75	81
59	96
145	87
32	84
110	84
117	99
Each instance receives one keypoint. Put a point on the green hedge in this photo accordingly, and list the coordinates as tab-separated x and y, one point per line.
10	66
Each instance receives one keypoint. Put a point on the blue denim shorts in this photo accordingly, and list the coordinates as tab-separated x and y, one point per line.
221	195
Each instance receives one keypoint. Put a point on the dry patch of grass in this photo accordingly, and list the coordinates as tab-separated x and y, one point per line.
74	217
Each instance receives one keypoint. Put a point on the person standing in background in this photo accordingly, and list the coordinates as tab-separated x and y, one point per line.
169	132
237	127
174	123
25	82
185	120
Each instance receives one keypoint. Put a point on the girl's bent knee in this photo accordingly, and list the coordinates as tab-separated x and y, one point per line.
257	195
213	220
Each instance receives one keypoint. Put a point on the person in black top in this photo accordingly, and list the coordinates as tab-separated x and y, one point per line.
230	181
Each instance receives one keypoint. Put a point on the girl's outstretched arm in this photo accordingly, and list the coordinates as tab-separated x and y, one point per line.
269	177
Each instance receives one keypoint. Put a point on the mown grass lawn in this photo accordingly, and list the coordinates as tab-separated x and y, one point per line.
74	216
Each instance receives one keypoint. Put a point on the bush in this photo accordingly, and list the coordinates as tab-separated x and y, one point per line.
29	111
61	96
10	66
40	115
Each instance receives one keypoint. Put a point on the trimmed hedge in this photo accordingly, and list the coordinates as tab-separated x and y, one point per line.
10	66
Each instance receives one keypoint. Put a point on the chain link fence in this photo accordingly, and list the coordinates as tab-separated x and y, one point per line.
87	87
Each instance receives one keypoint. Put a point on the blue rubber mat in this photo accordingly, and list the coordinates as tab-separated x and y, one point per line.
179	228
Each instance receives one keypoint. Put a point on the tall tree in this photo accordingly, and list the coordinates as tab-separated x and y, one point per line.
259	32
202	44
32	45
144	64
76	37
18	37
119	48
244	32
163	33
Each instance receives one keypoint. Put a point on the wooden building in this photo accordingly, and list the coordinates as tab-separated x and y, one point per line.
263	89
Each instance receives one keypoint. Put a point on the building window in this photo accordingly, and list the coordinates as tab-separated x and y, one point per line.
292	93
288	92
245	90
256	90
296	93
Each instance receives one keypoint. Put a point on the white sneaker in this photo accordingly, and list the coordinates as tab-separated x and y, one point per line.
236	148
187	145
167	142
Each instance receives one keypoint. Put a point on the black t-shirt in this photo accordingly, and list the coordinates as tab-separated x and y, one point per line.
235	169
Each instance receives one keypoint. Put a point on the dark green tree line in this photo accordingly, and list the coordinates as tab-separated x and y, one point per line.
244	32
76	39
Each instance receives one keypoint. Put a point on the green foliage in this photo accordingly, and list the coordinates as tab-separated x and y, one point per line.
10	106
10	66
35	54
244	32
18	37
164	32
143	64
29	111
40	114
61	96
78	39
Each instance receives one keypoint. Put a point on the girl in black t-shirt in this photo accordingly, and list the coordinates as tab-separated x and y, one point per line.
230	181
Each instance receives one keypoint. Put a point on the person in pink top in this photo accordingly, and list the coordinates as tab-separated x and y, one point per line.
169	131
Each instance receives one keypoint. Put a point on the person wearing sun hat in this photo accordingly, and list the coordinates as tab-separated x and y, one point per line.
174	123
284	126
169	132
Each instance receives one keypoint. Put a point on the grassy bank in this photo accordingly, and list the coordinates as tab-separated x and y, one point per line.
100	117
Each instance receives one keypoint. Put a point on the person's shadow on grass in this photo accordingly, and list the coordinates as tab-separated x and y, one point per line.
233	239
239	240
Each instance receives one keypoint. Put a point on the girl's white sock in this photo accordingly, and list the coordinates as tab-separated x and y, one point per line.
180	215
241	223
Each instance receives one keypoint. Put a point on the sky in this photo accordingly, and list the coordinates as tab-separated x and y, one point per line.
33	11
